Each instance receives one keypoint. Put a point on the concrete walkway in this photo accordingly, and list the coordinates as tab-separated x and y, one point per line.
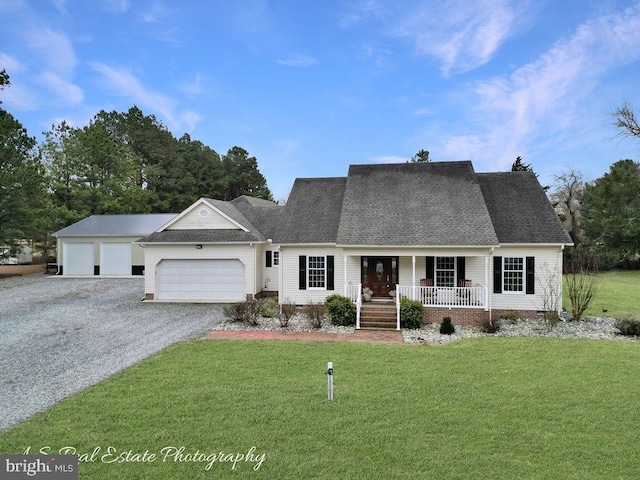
369	336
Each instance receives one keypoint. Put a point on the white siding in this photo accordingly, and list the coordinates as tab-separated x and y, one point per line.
547	259
269	276
194	220
245	253
289	265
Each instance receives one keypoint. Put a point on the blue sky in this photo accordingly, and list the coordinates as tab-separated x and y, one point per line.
309	87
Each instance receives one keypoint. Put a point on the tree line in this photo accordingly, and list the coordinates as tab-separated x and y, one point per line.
121	162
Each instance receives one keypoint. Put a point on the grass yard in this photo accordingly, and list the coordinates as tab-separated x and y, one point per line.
484	408
619	294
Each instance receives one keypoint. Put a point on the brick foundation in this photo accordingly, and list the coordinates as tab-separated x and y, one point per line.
470	316
148	296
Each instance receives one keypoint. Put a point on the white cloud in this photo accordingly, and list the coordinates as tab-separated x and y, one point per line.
65	90
10	64
122	82
461	34
549	94
54	48
298	61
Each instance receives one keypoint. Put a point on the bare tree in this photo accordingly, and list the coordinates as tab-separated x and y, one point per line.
550	298
567	199
624	118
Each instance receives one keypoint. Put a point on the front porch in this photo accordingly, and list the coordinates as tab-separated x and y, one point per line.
445	281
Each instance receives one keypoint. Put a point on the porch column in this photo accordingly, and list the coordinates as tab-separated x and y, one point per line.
413	277
486	282
345	275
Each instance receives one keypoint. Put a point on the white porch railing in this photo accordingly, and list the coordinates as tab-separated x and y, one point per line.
354	293
460	297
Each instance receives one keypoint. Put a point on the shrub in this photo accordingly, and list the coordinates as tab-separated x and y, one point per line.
511	315
582	288
410	313
269	308
341	310
628	326
315	312
446	327
246	312
287	311
236	312
488	325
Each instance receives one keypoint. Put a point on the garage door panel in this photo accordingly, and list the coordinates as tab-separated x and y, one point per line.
78	258
115	258
211	280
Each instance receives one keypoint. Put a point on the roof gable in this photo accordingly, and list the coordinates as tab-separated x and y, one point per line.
207	214
433	204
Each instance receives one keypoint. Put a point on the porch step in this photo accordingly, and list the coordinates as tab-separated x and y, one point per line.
378	316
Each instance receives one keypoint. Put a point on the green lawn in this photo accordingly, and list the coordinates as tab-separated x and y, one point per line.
484	408
619	294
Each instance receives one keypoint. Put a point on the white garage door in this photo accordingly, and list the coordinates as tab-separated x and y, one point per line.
77	259
211	280
115	258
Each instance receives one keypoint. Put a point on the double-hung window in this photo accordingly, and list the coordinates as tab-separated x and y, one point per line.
276	258
317	272
445	271
513	274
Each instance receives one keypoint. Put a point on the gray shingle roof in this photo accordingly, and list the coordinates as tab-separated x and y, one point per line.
414	204
520	210
116	225
312	212
263	214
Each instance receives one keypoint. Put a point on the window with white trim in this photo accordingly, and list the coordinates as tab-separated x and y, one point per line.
445	271
276	258
316	272
513	274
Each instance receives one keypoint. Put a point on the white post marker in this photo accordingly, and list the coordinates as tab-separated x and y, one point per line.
330	379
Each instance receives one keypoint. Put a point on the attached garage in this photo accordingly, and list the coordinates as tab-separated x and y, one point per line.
115	258
78	258
201	279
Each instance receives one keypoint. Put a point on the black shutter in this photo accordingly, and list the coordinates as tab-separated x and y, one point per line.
302	272
330	272
460	268
531	275
497	274
431	268
269	254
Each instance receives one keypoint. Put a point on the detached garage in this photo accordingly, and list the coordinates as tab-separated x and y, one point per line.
201	279
104	245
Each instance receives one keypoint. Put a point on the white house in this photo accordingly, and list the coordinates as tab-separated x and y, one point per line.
462	243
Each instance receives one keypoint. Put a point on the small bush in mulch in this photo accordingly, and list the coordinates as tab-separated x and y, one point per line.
246	312
488	325
628	326
269	308
287	311
341	310
315	312
410	313
446	327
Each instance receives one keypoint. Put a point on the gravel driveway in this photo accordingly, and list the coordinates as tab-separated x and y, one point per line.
61	335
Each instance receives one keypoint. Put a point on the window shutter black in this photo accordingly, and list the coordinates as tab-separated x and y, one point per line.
531	275
269	254
460	268
430	268
330	272
497	274
302	272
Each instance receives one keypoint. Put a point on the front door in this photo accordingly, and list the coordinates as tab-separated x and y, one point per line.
380	280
